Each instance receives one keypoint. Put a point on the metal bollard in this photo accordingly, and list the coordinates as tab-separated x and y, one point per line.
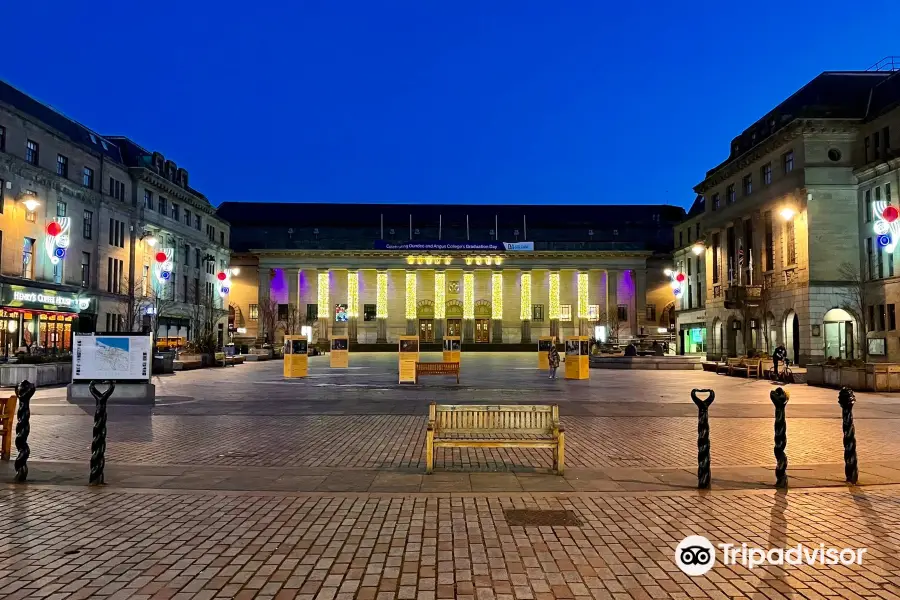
24	391
780	399
846	399
98	443
704	474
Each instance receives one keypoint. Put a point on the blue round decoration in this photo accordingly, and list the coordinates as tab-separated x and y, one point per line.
224	290
165	275
60	252
884	240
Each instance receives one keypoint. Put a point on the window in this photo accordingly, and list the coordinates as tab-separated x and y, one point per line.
221	238
282	312
197	222
211	233
87	178
163	206
28	258
886	134
766	174
312	313
729	194
254	312
787	162
537	313
176	212
116	233
791	250
197	290
769	241
62	165
2	139
871	318
30	216
881	323
892	316
187	255
85	269
622	313
2	198
145	281
60	208
748	185
148	199
877	194
593	312
716	249
651	312
876	144
197	257
681	239
887	193
867	148
87	227
187	217
879	273
565	312
868	208
369	312
715	201
32	152
114	270
870	264
185	290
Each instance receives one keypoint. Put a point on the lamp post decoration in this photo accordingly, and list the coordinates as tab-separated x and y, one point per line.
57	239
163	265
224	279
676	279
886	225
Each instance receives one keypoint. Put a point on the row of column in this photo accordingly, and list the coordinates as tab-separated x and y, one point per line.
582	318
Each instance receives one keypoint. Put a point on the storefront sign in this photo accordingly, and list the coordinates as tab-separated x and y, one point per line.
456	246
16	296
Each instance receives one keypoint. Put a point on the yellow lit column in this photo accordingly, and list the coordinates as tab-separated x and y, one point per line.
497	306
324	300
468	307
381	306
583	302
352	304
440	304
554	304
525	305
411	287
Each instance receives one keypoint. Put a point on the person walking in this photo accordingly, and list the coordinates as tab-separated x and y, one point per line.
553	359
779	355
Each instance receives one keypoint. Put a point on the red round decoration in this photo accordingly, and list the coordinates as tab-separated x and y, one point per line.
890	214
679	278
160	257
221	276
54	228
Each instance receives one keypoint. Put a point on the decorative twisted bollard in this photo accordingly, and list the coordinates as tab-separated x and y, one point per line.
98	444
846	399
780	399
704	473
24	391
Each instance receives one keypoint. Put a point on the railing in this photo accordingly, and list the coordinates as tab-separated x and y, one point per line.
888	63
743	295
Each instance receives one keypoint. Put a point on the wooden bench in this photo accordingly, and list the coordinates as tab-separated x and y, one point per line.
728	366
437	368
495	426
754	367
7	425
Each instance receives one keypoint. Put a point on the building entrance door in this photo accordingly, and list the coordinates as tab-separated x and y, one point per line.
426	330
454	327
482	330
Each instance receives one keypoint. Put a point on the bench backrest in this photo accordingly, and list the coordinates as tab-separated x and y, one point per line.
735	361
8	409
468	418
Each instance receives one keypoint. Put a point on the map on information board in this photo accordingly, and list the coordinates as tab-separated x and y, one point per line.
115	357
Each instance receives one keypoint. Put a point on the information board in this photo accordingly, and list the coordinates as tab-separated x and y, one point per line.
114	357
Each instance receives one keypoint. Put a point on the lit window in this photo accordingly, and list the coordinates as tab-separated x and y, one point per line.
767	174
254	311
32	152
565	312
787	161
62	165
594	312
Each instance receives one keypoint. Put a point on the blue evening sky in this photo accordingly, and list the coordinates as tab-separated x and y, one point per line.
504	101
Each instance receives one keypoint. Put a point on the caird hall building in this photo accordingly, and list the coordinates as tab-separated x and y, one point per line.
489	274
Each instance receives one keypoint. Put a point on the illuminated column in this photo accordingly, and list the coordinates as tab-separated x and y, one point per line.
468	307
612	301
381	305
411	286
553	287
263	291
583	302
352	304
497	306
525	305
324	302
440	304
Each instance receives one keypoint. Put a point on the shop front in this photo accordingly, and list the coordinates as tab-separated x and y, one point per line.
693	338
42	318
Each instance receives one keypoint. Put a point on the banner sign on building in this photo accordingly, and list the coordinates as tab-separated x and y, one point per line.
115	357
19	296
456	246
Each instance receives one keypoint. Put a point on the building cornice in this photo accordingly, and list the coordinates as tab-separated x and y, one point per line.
48	179
382	254
172	190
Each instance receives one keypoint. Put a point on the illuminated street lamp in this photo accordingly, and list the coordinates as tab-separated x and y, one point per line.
787	213
235	270
667	272
698	248
31	204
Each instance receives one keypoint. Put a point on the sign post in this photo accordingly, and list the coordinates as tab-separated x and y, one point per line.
544	345
125	359
296	358
409	356
451	348
340	350
578	357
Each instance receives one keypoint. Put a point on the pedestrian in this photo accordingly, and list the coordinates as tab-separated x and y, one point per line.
779	355
553	360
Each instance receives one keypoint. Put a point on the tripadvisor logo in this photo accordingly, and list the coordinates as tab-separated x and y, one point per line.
696	555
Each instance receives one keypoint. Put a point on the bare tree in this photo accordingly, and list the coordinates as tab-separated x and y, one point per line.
855	298
293	320
610	320
205	316
144	303
268	319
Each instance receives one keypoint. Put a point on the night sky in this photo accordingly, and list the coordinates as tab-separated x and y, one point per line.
417	102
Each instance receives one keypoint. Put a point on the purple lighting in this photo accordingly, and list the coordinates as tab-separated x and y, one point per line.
279	286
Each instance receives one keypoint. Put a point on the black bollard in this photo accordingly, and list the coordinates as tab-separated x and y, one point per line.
780	399
24	391
846	399
98	443
704	474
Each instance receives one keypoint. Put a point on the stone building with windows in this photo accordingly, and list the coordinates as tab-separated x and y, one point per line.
72	227
689	264
783	252
489	274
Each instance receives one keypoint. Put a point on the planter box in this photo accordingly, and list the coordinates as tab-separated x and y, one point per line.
856	378
815	375
853	378
40	375
882	377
